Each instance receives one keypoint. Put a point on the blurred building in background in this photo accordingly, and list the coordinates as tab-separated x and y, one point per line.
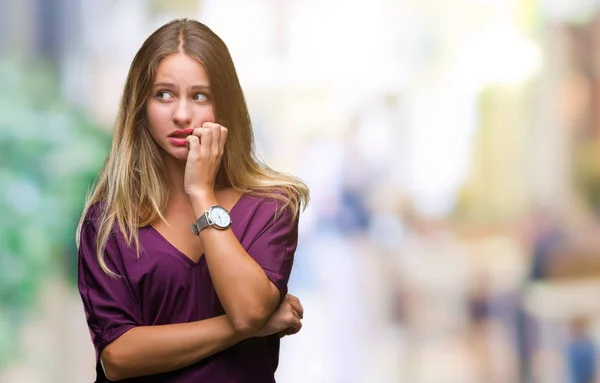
452	151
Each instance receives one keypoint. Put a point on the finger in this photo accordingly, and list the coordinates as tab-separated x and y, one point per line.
205	140
293	324
296	327
214	130
293	298
285	332
297	308
294	305
223	139
192	142
298	305
216	136
210	124
296	315
288	331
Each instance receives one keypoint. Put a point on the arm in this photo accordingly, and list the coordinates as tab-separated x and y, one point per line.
249	284
147	350
246	293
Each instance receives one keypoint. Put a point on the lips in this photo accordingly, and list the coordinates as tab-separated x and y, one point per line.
181	133
178	137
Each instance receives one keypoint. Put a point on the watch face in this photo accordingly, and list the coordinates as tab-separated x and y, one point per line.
220	217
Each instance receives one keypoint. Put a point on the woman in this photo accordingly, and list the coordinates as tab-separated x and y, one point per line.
186	243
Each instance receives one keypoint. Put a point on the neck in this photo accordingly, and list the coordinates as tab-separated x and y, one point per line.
175	174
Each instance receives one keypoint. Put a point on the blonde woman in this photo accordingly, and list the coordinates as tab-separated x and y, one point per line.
186	242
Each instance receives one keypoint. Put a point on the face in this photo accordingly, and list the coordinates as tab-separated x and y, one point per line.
180	101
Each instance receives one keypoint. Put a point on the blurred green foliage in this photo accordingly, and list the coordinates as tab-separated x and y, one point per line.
50	153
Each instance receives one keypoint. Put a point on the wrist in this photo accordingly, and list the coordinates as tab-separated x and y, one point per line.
201	201
199	191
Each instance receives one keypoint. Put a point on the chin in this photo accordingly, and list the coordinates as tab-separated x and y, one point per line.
179	154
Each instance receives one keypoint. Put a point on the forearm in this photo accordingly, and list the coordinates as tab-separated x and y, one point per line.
148	350
244	290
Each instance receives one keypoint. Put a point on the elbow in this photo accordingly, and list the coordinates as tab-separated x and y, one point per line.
248	324
112	364
250	318
250	321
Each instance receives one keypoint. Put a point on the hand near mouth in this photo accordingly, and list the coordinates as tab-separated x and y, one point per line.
206	146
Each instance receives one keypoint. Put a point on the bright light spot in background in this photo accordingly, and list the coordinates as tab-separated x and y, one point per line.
499	54
329	49
442	124
444	116
331	44
341	48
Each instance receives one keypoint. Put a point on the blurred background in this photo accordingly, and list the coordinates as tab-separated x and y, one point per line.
452	152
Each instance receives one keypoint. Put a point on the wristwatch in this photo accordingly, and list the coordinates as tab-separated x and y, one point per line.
217	217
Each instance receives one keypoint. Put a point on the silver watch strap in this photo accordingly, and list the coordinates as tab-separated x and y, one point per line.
201	223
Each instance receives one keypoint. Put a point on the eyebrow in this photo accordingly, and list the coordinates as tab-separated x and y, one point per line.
171	85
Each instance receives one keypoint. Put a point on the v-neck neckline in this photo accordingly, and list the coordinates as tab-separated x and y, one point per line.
183	255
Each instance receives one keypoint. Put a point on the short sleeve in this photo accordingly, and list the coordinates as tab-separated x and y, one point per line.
274	247
109	303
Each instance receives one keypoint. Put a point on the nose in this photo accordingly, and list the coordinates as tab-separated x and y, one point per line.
182	115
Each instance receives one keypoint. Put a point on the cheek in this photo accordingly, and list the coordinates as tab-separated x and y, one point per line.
158	118
203	114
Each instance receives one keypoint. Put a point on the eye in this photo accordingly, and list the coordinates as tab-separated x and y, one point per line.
164	96
201	97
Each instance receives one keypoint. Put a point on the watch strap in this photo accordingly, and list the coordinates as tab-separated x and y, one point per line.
201	223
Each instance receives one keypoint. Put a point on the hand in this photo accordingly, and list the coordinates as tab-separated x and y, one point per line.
285	320
206	146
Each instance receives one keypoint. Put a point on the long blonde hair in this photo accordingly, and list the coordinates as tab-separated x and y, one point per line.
132	186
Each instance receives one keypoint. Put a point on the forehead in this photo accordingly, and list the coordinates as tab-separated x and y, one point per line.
181	68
